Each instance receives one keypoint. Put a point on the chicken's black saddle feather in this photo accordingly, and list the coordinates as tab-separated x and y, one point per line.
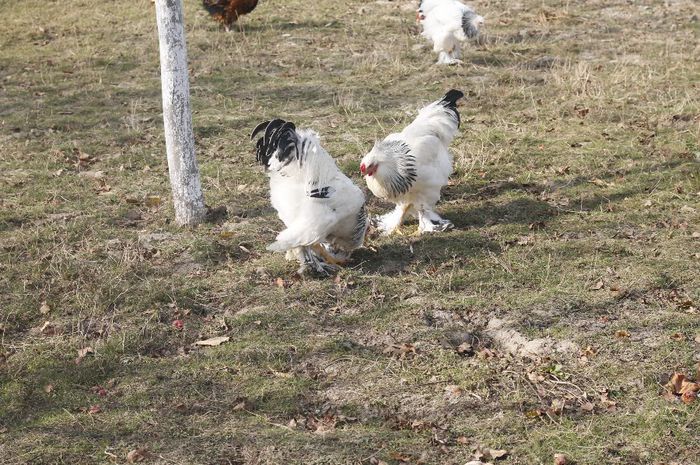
280	140
450	101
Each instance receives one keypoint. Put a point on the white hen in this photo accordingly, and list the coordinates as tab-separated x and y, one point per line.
321	207
411	167
448	23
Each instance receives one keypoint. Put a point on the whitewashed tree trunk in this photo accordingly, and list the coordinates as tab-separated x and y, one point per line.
177	117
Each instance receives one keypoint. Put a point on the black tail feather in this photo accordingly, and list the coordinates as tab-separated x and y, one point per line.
470	30
450	101
280	138
213	7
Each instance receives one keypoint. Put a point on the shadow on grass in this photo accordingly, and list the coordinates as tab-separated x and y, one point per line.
394	257
529	210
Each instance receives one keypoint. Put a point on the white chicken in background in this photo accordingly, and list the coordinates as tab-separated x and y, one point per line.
448	23
411	167
323	210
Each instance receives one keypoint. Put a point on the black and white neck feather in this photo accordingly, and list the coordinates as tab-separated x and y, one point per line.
399	174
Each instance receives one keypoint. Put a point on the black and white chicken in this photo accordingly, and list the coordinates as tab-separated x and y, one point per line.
411	167
448	23
323	210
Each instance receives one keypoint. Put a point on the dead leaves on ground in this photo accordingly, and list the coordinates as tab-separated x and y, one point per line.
401	351
490	454
320	424
82	353
680	388
559	397
137	455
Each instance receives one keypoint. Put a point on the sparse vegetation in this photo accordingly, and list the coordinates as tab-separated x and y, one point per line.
547	322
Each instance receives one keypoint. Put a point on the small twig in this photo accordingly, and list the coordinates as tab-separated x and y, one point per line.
279	425
504	265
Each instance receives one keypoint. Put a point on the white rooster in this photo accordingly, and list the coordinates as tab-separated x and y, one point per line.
411	167
322	209
448	23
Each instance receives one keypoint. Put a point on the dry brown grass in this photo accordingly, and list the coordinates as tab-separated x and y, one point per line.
575	195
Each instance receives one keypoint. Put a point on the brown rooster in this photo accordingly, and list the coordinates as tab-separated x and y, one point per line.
227	11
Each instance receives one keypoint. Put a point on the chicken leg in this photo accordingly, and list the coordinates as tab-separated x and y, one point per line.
390	222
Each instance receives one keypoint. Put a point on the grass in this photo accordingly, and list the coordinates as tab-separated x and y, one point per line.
575	196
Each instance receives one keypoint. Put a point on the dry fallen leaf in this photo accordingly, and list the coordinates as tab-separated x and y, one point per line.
136	455
560	459
99	390
400	456
94	409
601	183
676	382
214	341
82	353
608	404
589	352
598	286
465	349
153	201
689	386
489	454
679	385
321	425
689	397
497	453
678	337
44	309
48	388
401	350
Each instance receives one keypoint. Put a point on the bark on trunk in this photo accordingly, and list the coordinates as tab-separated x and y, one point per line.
188	199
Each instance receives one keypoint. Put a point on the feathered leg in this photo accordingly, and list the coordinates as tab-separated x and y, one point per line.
328	256
445	44
312	261
457	53
390	222
429	221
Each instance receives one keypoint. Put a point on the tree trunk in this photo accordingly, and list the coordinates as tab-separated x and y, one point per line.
177	117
